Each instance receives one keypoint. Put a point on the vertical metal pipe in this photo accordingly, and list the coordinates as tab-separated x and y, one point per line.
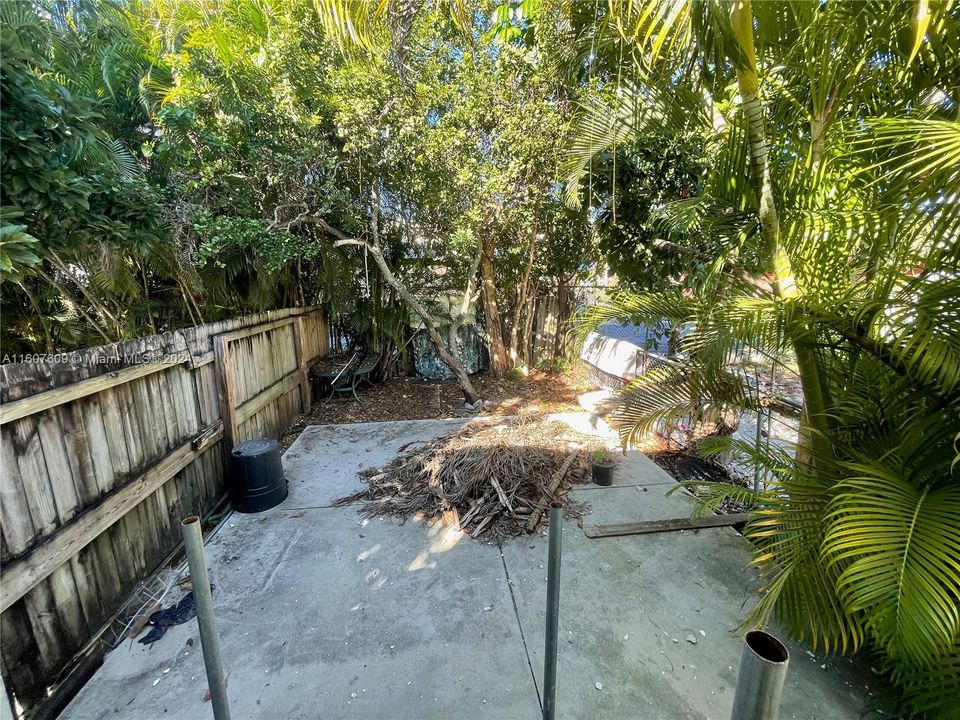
763	669
773	394
553	613
209	642
756	469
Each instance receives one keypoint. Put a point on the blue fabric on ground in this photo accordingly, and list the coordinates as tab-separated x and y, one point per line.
177	614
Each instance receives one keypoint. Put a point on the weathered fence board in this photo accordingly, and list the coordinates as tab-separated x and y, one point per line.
102	456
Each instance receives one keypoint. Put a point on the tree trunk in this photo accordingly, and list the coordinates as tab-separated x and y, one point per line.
499	363
469	295
813	440
73	301
100	307
523	288
436	340
41	316
146	297
527	346
561	344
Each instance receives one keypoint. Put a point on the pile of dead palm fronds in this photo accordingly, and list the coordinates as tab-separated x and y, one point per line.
497	478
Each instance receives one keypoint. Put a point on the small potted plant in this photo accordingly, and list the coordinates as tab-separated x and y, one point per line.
601	467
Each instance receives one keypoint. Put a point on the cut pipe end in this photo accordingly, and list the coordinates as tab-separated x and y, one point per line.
556	504
190	520
767	647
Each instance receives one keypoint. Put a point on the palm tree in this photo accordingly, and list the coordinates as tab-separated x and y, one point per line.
832	210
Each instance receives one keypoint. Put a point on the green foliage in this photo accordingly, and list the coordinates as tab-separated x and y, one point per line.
169	162
600	457
516	374
852	276
557	365
16	245
222	237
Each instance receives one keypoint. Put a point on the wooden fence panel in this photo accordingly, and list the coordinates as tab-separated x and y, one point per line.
103	455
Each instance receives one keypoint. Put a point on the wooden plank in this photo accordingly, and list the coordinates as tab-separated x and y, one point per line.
669	525
212	407
134	555
258	375
149	417
72	594
551	490
254	330
47	630
207	386
172	423
198	361
19	649
324	336
57	396
17	526
118	470
23	574
77	444
157	502
33	476
92	568
225	387
94	415
191	392
257	402
300	363
208	436
58	471
109	578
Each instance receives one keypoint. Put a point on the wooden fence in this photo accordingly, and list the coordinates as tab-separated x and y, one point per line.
105	450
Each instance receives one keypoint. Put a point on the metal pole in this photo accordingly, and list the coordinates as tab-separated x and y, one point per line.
763	669
209	642
773	394
756	470
553	613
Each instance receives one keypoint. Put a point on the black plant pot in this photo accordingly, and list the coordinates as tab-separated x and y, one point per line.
603	473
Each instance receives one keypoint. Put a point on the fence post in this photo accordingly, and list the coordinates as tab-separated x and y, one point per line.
228	406
299	337
323	334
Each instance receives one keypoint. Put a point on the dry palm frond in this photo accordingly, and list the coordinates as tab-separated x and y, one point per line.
485	477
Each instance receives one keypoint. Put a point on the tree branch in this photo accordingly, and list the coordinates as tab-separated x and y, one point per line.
436	340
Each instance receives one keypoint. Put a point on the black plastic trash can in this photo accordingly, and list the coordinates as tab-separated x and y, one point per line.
256	480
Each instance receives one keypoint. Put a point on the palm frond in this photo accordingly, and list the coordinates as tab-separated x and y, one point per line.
799	589
709	497
604	122
681	392
626	307
899	551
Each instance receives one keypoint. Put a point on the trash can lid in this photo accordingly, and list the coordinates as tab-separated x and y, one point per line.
255	447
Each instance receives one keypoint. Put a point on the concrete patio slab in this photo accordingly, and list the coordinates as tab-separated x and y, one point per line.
630	504
322	614
322	465
653	619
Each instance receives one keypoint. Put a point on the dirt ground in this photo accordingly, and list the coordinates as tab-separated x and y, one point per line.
539	393
411	399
